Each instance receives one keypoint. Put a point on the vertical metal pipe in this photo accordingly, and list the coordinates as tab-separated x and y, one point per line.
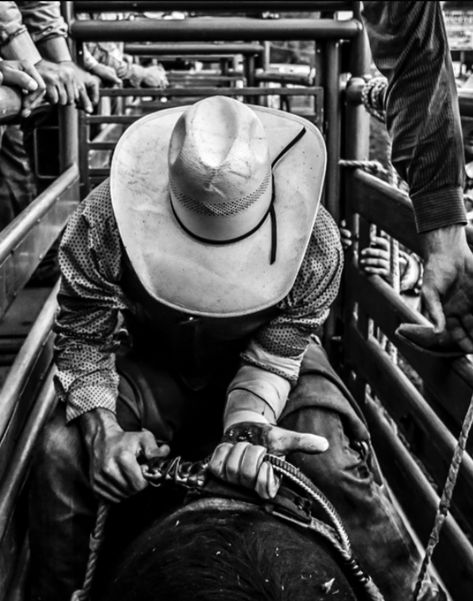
356	147
333	127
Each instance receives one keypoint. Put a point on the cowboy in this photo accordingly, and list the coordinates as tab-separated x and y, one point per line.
209	249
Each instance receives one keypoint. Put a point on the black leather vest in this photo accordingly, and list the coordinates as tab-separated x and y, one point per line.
198	349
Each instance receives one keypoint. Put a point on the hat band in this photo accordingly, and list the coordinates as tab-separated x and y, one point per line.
270	211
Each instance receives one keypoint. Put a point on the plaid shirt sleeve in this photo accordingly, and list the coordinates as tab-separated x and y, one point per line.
410	48
280	345
90	301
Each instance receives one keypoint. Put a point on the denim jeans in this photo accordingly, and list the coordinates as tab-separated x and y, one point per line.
62	507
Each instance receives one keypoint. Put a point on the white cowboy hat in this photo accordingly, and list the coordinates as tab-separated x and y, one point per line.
209	225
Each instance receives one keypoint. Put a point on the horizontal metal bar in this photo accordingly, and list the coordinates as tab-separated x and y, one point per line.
380	203
217	28
465	99
428	438
214	5
445	379
101	145
14	233
19	462
186	48
454	555
212	90
19	373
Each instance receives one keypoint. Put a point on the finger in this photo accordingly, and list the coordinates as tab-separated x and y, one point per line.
52	94
219	456
375	253
433	307
267	485
375	262
282	442
459	334
131	472
383	272
251	461
380	242
33	73
467	323
71	90
233	463
93	87
150	448
84	101
62	93
16	77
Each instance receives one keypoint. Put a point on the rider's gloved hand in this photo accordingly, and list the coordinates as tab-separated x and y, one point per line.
239	458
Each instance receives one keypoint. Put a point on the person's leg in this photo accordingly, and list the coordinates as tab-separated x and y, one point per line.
348	475
62	504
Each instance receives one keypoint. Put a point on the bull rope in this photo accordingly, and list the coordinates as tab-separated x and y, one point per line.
192	475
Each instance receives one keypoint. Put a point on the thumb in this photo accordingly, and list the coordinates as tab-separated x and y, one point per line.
281	442
150	448
433	308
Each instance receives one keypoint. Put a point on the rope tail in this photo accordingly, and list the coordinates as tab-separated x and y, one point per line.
95	543
445	499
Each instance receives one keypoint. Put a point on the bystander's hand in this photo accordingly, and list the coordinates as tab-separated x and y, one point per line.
447	289
106	74
25	76
239	459
66	83
114	455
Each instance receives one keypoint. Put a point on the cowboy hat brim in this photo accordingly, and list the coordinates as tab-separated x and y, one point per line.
197	277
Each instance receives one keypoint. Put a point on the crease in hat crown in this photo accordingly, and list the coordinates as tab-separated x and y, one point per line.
220	181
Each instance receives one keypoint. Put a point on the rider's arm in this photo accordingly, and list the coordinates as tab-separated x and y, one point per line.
272	360
410	48
90	300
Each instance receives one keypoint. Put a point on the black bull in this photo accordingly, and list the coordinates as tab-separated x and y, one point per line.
223	549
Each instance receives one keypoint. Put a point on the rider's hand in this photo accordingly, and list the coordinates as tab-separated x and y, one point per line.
447	288
115	470
25	76
240	458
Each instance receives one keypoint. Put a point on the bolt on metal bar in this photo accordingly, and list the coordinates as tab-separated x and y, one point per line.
218	28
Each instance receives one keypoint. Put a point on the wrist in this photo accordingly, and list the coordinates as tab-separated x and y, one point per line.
55	50
449	240
99	421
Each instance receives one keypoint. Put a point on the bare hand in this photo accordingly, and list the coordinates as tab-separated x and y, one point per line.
375	259
115	471
106	74
66	84
447	288
25	76
242	463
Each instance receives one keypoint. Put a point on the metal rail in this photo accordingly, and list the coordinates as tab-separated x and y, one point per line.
215	5
217	28
184	49
24	363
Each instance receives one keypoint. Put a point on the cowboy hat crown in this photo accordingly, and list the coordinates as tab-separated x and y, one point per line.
219	169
